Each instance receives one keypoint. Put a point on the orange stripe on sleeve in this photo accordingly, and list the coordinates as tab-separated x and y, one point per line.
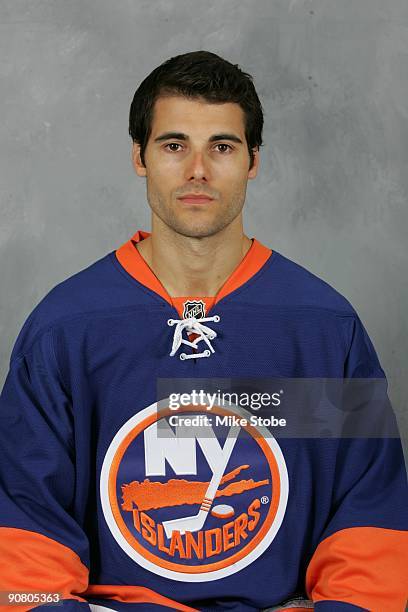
134	594
364	566
31	562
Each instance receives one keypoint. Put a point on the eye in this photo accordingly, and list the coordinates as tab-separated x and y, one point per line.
222	144
172	144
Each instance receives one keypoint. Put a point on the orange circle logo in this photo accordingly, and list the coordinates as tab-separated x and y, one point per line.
195	496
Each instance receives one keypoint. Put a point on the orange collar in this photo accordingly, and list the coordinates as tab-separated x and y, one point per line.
130	258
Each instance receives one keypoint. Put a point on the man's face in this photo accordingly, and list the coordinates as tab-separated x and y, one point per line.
196	148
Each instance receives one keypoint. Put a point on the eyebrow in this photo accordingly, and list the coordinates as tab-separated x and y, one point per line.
181	136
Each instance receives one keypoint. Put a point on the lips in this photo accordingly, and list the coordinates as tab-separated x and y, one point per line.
193	198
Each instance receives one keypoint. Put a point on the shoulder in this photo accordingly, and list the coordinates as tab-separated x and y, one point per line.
304	297
290	284
83	294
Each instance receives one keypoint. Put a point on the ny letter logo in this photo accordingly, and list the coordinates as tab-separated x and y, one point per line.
179	449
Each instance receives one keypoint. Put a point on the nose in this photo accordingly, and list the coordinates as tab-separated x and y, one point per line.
197	167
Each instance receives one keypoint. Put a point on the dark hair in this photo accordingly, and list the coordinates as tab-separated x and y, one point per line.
198	74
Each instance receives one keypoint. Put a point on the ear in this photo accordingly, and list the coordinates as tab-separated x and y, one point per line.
140	169
254	170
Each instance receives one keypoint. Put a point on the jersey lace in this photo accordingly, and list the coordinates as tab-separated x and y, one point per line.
193	326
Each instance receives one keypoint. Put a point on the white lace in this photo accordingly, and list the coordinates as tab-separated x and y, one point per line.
193	326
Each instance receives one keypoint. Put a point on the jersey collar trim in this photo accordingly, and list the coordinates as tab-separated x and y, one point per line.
132	261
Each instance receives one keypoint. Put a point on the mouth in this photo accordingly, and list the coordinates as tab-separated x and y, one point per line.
195	199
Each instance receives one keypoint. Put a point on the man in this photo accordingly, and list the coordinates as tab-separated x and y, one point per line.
103	501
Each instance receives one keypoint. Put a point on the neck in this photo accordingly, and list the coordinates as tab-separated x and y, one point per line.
194	266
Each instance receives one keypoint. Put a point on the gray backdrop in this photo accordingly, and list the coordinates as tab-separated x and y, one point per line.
333	187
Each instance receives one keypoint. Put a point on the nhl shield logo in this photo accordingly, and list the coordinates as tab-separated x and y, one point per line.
194	308
195	507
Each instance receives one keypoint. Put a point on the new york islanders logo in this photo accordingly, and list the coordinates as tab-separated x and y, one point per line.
193	503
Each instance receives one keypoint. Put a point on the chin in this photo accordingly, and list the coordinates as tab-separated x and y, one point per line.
194	231
191	227
196	224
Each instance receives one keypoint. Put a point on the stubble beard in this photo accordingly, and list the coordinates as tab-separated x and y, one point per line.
199	228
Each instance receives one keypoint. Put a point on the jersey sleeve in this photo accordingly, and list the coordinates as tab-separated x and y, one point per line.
361	559
43	547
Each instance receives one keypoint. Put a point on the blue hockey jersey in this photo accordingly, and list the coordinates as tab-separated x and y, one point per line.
99	507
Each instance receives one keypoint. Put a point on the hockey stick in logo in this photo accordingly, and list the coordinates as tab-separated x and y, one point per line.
196	522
